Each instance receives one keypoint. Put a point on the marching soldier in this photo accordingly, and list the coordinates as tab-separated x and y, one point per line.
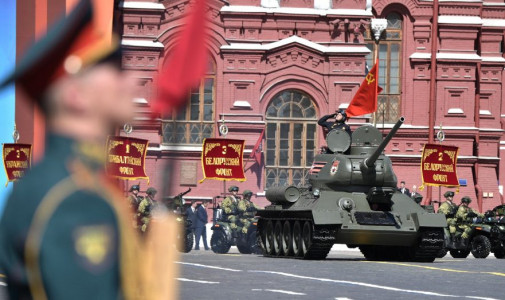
247	210
465	217
449	209
229	207
146	207
65	232
134	198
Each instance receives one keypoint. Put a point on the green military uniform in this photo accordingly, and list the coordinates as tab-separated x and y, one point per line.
464	217
146	207
229	207
134	200
246	210
448	208
60	232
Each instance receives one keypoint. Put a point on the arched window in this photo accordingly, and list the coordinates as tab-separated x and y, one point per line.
290	138
195	121
390	49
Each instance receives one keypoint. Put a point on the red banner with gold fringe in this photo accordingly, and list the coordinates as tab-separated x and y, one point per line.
126	157
222	159
17	159
438	165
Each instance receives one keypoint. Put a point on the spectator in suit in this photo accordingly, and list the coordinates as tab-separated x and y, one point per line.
403	189
191	213
200	230
415	195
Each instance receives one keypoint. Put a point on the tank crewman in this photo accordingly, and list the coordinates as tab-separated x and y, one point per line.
339	124
246	209
449	209
66	231
146	208
229	207
464	217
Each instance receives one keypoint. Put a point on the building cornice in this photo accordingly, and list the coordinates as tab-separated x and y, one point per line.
296	40
295	11
141	5
142	43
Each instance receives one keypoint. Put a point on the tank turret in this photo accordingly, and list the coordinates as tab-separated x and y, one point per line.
359	168
351	199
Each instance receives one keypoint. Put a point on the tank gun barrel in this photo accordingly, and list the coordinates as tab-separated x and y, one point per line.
370	161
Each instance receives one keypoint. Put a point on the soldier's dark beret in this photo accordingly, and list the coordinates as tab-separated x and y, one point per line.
466	199
233	188
135	187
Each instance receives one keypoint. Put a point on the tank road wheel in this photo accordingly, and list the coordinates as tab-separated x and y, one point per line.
481	246
219	242
499	253
278	238
297	239
306	237
459	253
269	238
287	239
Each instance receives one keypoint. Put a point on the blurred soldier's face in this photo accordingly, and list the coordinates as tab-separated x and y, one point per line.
110	93
135	192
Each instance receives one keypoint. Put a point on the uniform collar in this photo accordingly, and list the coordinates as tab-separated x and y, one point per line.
62	147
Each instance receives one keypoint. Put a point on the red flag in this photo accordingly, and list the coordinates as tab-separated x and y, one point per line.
186	64
256	151
365	100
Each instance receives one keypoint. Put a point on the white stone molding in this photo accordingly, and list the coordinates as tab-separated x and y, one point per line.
378	26
295	11
455	111
322	4
142	43
270	3
141	5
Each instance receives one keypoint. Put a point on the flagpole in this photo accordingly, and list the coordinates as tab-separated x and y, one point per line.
378	26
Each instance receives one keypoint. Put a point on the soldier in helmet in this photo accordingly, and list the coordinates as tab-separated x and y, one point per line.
246	209
134	198
464	217
449	209
146	207
229	207
339	124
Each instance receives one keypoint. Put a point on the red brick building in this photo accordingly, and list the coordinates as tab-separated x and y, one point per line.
279	65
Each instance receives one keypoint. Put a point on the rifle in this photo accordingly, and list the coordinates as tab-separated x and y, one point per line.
180	195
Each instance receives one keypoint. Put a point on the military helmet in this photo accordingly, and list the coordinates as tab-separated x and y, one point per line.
466	199
247	193
233	188
449	194
135	187
151	191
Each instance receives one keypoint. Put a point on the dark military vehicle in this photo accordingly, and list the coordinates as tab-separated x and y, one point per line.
488	235
223	237
352	199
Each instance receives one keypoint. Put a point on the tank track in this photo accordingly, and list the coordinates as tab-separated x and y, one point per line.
323	239
431	241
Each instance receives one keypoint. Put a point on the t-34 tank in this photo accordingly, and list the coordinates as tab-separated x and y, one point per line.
352	199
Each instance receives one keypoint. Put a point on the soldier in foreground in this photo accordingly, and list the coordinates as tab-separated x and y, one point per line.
449	209
229	207
247	210
464	217
65	232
